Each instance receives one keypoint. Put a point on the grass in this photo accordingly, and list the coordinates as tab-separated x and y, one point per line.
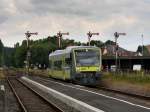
135	77
37	72
132	82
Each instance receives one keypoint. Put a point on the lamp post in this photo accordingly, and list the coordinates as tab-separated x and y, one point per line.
116	34
28	35
59	35
90	35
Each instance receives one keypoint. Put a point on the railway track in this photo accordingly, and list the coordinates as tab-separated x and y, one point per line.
29	99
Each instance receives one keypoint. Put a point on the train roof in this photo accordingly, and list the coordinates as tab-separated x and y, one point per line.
68	50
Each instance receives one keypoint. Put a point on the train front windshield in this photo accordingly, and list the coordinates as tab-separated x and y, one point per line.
87	57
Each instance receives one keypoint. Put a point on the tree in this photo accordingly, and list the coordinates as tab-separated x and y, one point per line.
1	53
8	56
96	43
39	55
139	49
145	50
109	42
20	56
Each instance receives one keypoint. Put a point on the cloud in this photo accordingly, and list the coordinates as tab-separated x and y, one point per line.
77	17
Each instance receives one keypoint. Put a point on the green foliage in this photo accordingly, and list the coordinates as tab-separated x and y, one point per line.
1	46
96	43
39	49
39	55
1	53
109	42
145	50
20	56
139	49
8	59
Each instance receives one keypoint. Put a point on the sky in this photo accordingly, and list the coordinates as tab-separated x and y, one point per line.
77	17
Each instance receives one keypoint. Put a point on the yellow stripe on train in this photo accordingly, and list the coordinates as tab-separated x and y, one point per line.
87	69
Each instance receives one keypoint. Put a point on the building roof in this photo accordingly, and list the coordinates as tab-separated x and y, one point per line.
110	50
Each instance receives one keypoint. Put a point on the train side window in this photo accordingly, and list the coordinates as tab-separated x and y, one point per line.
57	65
50	64
68	61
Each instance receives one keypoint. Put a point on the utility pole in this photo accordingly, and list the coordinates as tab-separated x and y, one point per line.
116	34
142	45
90	35
28	35
59	36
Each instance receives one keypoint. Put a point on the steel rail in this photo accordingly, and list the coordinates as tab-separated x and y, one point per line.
16	95
54	106
45	99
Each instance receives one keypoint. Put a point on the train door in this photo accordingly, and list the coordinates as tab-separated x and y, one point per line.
67	68
50	67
